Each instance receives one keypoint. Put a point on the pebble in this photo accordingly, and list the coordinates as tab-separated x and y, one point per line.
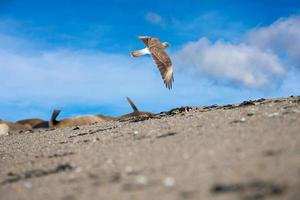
78	169
128	169
273	114
109	161
141	179
28	184
169	181
250	114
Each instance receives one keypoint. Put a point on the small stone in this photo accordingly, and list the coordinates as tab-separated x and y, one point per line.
135	132
273	114
141	179
242	120
128	169
78	169
76	128
28	184
250	114
109	161
247	103
169	181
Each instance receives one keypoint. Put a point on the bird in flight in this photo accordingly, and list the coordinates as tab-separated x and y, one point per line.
157	50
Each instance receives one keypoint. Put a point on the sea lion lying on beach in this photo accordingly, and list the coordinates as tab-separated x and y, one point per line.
34	123
29	124
135	113
92	119
77	121
10	127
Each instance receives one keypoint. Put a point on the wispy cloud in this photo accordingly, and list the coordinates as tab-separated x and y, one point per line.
154	18
257	61
282	38
71	76
240	63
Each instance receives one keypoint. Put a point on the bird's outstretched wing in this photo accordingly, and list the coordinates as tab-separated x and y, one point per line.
161	59
163	63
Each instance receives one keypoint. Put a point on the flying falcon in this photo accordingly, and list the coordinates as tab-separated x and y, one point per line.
159	55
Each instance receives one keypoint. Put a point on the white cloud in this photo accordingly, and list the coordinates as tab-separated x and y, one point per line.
240	63
154	18
282	37
263	56
72	76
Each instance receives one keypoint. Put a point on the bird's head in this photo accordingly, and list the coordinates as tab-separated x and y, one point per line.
165	44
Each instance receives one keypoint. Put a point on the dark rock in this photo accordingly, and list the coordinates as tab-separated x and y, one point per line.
251	190
247	103
166	135
13	177
260	100
212	106
228	106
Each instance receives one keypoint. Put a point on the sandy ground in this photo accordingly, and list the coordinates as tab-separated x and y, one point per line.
245	151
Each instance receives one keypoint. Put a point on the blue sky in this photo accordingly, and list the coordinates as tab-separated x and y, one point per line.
75	54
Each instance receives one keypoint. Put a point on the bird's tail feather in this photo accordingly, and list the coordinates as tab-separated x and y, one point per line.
140	52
